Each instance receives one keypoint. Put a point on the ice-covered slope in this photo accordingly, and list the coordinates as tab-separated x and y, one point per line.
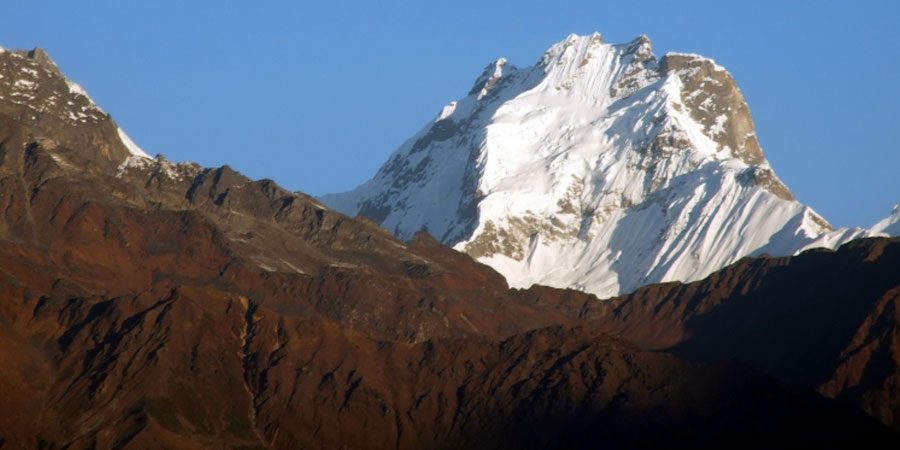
889	225
600	168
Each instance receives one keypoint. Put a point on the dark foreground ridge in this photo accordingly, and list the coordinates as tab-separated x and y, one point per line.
150	305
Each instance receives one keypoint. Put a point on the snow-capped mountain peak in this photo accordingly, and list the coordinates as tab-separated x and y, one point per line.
600	167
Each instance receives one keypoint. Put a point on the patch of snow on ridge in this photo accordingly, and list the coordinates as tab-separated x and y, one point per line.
133	162
75	88
159	167
24	83
130	145
446	111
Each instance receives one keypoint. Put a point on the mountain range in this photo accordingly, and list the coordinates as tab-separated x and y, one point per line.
152	304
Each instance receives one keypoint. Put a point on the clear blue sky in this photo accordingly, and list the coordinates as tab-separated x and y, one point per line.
316	96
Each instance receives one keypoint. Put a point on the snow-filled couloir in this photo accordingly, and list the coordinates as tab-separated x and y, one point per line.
600	168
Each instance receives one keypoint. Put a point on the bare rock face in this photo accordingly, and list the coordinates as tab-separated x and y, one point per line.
162	305
715	102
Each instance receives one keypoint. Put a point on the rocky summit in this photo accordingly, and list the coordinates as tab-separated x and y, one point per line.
152	304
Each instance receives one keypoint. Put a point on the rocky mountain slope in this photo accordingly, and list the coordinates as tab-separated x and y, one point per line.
146	304
825	320
600	168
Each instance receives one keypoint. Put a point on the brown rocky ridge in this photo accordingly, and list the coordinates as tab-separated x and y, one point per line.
146	304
